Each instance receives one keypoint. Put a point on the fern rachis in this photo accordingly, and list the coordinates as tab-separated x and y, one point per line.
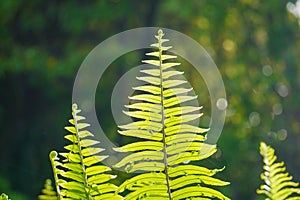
168	140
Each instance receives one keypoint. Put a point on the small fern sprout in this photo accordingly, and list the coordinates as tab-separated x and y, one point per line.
168	142
48	193
80	175
278	184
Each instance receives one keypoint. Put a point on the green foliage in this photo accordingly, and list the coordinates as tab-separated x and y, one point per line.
48	193
79	175
4	197
169	141
278	184
254	43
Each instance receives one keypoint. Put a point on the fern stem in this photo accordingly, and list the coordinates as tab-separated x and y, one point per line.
74	109
53	157
160	35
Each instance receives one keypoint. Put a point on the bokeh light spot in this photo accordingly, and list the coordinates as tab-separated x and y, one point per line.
282	134
282	89
222	104
254	119
267	70
277	109
229	45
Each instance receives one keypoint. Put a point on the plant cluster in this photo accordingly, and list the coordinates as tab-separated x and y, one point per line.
164	155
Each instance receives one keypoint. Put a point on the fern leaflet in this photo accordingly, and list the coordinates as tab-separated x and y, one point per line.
79	175
168	139
278	184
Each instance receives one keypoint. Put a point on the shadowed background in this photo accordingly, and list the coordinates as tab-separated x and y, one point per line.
42	44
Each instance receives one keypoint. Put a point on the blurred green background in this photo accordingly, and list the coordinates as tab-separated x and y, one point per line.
255	45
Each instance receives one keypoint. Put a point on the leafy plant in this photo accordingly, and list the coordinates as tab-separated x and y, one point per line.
48	193
79	175
169	141
278	184
4	197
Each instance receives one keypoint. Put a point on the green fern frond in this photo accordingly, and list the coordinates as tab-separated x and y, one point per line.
48	193
278	184
80	175
169	142
4	197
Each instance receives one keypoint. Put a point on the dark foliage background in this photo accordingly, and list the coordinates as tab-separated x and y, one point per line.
254	43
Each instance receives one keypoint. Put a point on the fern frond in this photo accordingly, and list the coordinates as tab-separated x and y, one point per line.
80	175
168	140
48	193
4	197
278	184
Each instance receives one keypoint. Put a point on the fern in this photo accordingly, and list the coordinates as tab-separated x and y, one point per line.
48	193
4	197
278	184
79	175
168	140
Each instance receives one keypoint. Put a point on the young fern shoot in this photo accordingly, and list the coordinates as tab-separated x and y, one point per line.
168	140
80	175
278	184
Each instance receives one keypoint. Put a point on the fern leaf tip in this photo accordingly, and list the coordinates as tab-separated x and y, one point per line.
53	155
160	32
74	106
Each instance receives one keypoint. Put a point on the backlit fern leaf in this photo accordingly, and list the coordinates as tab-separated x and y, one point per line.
278	184
80	175
48	193
168	139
